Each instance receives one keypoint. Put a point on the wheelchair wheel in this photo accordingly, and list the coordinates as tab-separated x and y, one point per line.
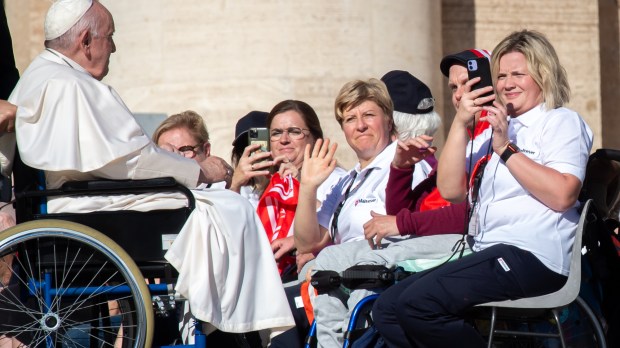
581	327
71	286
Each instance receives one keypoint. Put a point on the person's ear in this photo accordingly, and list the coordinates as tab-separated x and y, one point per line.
86	39
206	148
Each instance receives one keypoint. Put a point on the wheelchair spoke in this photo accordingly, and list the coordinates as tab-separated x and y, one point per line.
14	301
97	304
76	274
18	329
87	332
80	301
112	330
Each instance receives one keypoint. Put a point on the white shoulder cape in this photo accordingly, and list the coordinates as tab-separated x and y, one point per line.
67	120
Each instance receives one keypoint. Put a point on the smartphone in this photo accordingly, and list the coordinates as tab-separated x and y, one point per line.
259	136
480	67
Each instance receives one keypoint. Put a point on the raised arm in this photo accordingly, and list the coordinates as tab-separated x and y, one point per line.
318	165
398	192
451	175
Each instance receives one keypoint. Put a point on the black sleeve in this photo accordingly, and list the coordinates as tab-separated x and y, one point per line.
8	72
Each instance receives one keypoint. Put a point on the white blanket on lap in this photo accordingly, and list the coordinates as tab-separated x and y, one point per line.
227	271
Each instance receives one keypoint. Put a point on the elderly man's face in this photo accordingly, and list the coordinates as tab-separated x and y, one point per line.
102	45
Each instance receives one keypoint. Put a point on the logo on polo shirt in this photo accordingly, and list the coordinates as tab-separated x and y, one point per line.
365	200
530	152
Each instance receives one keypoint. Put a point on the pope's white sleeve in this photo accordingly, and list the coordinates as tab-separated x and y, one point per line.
154	162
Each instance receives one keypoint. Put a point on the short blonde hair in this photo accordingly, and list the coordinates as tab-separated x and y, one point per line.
355	92
543	64
190	120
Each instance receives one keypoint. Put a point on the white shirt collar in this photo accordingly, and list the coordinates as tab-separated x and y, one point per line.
55	56
531	116
380	160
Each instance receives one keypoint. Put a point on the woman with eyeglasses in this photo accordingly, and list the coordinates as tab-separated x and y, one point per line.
186	134
292	125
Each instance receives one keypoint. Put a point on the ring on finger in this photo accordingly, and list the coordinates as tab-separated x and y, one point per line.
475	104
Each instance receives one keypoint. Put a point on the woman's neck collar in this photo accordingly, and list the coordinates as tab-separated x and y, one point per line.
363	163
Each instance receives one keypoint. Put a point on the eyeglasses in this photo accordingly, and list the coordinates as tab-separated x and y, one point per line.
294	133
189	151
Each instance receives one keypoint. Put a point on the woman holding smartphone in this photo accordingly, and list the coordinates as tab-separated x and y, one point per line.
291	125
525	214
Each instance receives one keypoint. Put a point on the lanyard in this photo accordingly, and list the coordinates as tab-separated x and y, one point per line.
347	193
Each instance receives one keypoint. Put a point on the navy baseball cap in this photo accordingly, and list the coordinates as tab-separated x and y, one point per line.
254	119
409	94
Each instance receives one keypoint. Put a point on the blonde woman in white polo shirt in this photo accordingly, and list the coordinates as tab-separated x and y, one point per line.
524	212
364	111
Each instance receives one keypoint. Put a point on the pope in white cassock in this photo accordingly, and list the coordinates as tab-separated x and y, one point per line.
75	127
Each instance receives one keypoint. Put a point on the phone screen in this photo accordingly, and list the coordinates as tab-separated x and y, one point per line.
480	67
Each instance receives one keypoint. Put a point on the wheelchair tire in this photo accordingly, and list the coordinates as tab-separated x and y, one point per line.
71	286
582	327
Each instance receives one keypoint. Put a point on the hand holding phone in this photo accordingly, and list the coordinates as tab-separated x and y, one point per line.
259	136
480	67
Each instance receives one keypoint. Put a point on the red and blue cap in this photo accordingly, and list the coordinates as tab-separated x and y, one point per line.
461	58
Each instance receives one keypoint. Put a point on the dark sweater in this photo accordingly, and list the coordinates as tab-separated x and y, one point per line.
405	203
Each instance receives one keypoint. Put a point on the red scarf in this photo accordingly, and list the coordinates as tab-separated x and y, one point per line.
276	210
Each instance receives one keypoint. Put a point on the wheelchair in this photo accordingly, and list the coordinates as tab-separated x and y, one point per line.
78	280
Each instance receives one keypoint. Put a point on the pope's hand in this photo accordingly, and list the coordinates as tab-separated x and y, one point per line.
7	117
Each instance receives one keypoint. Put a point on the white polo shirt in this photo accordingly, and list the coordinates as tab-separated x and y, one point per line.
328	185
506	212
366	193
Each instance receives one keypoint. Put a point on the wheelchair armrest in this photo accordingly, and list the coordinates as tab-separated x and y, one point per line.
108	187
115	185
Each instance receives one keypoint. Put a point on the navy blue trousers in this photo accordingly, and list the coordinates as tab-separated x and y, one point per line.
427	309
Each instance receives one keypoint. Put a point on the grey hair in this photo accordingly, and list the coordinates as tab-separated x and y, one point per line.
410	125
90	21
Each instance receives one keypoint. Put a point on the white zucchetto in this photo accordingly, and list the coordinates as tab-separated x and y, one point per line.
62	15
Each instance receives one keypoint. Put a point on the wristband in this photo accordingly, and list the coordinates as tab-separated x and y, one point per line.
511	149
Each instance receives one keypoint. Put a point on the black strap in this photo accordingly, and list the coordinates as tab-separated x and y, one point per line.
347	193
